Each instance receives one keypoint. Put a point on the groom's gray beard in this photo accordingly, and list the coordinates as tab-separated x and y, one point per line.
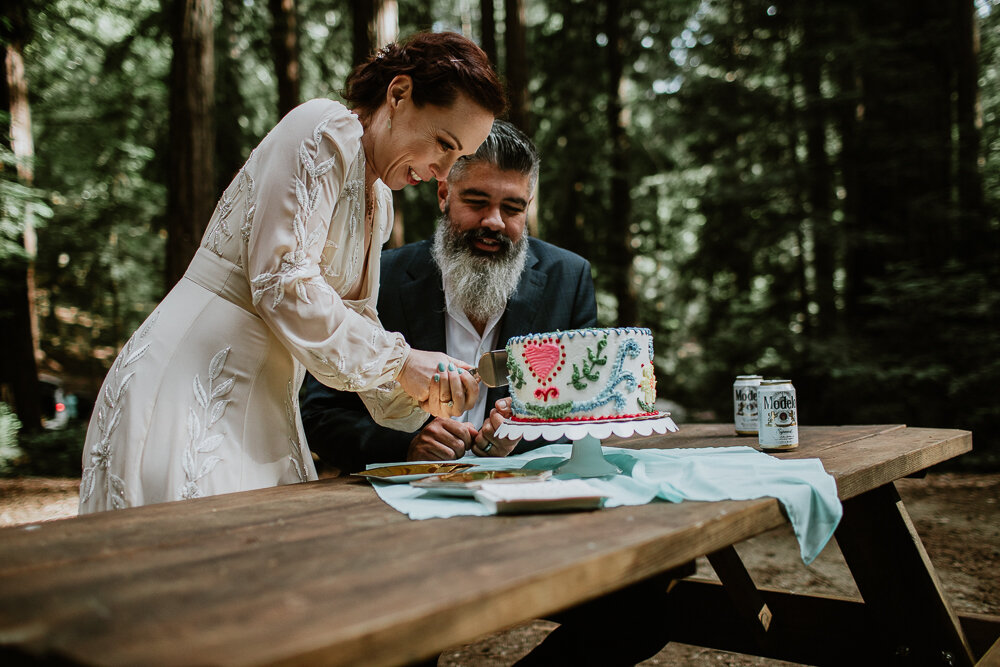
479	284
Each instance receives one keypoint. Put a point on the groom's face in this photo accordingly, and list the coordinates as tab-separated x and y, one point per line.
487	206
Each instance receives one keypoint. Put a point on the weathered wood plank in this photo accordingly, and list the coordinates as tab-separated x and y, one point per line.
373	585
873	462
326	573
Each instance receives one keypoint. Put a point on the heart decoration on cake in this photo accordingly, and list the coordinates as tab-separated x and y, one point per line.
542	358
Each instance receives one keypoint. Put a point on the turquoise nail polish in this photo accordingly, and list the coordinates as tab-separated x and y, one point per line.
441	366
459	371
437	378
451	367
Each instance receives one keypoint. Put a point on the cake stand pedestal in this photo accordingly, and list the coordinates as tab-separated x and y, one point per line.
587	458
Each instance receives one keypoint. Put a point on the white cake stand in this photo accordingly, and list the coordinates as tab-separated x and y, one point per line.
587	459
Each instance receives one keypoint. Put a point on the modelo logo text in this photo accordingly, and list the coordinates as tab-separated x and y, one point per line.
779	402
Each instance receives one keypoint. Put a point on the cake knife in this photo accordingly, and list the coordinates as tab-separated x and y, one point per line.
492	368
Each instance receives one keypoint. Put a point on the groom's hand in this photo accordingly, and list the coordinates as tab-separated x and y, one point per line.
442	439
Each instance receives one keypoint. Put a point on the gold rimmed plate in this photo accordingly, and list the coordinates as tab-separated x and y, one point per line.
466	483
405	473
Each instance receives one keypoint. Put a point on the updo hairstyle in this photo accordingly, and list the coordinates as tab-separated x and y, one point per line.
442	66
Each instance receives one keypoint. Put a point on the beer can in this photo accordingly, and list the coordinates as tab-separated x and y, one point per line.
745	404
778	427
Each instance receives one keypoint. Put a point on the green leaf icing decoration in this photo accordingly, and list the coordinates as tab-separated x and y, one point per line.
514	371
588	372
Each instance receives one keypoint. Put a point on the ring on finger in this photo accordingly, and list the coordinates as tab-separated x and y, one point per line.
488	447
451	404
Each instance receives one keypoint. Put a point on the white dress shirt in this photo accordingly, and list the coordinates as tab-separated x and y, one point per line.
464	342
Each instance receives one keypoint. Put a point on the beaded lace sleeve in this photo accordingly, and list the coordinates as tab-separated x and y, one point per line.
304	184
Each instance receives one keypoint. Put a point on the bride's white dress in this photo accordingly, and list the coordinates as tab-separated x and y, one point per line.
203	399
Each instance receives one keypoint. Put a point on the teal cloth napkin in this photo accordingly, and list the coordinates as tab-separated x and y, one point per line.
807	492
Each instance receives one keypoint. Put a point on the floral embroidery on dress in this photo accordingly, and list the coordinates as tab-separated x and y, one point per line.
295	449
326	368
251	206
219	232
354	191
201	418
109	415
295	268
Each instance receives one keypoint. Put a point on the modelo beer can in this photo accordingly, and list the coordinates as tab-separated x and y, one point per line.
745	404
778	426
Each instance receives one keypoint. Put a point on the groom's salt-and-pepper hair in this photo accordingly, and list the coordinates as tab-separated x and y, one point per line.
507	148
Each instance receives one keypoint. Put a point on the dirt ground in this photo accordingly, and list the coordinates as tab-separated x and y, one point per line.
956	515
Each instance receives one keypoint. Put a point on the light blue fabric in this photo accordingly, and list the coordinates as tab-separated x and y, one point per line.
806	491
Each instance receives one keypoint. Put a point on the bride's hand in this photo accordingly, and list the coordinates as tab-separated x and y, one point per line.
440	384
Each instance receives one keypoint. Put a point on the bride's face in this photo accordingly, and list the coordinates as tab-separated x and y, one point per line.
420	143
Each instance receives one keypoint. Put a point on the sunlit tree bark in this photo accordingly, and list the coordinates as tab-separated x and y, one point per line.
376	23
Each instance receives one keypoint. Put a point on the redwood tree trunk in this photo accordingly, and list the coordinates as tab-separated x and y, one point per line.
18	363
621	239
285	49
819	173
488	28
515	46
191	191
969	119
365	12
229	102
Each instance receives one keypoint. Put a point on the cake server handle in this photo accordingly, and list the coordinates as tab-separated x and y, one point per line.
492	368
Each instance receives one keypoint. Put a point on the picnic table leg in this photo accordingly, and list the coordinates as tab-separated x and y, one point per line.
901	590
742	592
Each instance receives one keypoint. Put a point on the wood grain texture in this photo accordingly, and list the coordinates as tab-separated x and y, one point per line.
325	573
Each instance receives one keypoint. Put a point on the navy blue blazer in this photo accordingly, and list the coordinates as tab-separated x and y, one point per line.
556	291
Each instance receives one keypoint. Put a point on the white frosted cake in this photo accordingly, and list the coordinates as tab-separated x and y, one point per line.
582	375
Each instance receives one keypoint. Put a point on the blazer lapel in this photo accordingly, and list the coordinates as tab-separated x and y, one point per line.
423	305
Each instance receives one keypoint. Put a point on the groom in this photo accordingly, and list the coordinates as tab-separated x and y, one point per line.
481	280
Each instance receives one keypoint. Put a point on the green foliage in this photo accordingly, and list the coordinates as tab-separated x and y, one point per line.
50	453
9	426
770	235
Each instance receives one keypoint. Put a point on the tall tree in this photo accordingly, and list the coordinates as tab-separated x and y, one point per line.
285	47
488	29
376	23
230	137
19	365
191	194
516	56
969	120
819	175
622	255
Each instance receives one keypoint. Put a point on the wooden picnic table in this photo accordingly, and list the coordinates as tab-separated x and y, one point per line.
326	573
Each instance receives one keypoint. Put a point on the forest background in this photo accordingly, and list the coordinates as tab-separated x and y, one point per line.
803	190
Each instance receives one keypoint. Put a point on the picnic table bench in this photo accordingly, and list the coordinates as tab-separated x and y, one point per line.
325	573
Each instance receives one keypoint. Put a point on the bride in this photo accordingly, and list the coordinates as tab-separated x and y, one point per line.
203	398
